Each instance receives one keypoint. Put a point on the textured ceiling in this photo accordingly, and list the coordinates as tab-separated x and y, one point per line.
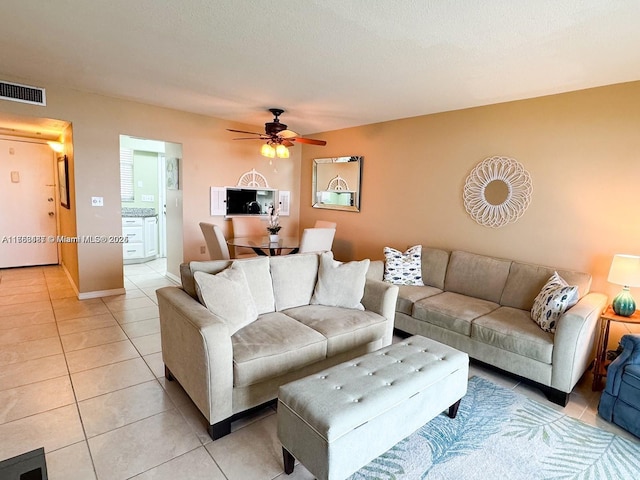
329	63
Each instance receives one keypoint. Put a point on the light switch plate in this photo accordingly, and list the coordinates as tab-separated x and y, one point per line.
97	201
15	177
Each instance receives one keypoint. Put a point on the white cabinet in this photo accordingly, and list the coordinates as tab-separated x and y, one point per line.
150	236
142	239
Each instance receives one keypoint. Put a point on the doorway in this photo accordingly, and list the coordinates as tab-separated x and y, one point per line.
30	204
151	210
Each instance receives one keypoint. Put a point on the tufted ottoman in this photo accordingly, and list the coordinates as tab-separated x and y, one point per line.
338	420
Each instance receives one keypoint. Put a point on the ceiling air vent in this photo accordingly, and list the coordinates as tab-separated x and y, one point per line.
22	93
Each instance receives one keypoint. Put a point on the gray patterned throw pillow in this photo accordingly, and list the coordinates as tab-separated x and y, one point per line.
403	268
552	301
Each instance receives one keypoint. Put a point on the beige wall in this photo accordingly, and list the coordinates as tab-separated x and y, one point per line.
209	158
582	150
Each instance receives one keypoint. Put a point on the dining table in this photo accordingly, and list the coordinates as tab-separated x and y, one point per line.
263	246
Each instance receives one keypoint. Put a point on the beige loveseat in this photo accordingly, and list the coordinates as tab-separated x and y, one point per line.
226	373
481	305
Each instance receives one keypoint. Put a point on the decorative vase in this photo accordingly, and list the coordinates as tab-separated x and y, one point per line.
274	238
623	304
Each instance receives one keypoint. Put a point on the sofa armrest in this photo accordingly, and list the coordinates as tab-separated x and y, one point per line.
197	349
381	297
574	340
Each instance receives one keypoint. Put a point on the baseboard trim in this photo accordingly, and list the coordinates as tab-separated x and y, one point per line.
101	293
173	277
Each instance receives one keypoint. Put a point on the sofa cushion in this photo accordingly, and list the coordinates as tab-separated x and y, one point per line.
434	266
273	345
259	280
476	276
340	284
227	295
553	300
403	268
344	328
452	311
294	279
526	280
511	329
409	294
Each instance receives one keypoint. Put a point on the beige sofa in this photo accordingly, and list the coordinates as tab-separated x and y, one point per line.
481	305
227	374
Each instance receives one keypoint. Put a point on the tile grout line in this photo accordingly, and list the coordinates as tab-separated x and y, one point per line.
73	389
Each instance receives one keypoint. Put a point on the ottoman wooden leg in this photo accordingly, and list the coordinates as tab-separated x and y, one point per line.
453	409
289	461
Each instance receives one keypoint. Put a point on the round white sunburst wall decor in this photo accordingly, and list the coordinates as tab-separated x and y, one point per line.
497	191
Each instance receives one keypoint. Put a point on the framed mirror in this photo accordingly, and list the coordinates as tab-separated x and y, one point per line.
337	183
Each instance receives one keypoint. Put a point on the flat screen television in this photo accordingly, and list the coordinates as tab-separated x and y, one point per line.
249	201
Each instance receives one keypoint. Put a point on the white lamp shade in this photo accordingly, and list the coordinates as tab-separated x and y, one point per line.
625	270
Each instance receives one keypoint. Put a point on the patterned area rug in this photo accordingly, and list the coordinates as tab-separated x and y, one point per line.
501	434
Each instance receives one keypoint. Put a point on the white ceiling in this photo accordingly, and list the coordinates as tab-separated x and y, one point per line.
329	63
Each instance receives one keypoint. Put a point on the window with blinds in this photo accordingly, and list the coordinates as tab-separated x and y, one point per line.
126	175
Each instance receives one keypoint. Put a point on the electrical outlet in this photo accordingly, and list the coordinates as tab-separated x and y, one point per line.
203	249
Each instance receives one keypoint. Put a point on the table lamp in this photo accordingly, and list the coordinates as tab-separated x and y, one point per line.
625	271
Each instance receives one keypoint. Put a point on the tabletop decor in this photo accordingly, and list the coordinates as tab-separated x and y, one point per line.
273	227
625	271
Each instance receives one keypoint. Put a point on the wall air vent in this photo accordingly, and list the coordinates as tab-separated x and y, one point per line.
22	93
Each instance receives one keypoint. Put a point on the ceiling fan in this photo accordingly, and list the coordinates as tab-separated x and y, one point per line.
277	137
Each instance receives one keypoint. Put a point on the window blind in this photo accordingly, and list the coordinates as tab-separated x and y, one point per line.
126	175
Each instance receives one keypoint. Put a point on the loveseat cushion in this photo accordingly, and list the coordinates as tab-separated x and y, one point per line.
409	294
452	311
477	276
273	345
344	328
511	329
258	275
294	279
340	284
227	296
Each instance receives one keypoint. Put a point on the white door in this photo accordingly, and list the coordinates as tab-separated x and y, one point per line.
27	204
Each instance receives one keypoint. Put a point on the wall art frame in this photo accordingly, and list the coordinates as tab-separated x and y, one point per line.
63	181
497	191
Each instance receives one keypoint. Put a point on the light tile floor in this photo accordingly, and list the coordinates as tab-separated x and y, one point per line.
85	380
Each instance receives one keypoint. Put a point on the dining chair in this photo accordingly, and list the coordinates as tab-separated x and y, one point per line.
316	240
325	224
216	243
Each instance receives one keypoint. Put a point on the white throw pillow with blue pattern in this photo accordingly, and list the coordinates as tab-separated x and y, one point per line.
403	268
552	301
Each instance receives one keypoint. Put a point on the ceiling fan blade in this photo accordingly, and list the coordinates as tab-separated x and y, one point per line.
288	134
309	141
287	143
251	138
243	131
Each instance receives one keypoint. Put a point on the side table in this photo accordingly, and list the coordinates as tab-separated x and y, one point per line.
599	370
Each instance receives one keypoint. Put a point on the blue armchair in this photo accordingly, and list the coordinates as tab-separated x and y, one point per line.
620	401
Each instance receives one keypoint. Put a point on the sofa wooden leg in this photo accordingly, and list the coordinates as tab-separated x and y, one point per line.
168	375
289	461
453	409
220	429
556	396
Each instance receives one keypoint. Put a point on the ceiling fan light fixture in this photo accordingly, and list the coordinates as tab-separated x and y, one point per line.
268	151
282	151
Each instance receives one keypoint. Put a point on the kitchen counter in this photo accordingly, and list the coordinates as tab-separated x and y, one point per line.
138	212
